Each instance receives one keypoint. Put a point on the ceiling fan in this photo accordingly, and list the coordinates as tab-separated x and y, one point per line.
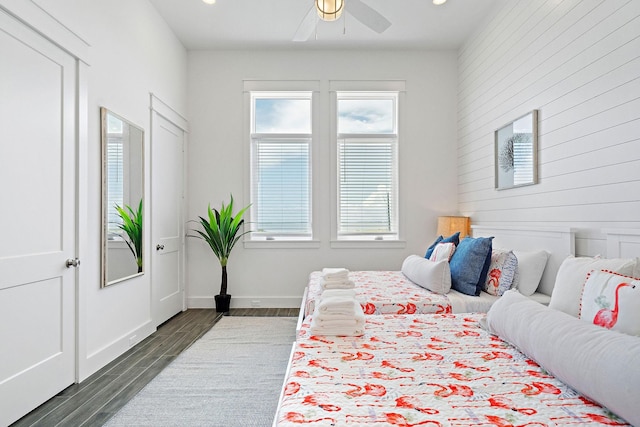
330	10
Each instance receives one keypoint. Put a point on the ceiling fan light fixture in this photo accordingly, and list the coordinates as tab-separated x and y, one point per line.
329	10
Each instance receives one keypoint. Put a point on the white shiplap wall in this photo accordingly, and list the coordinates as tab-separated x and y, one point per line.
578	63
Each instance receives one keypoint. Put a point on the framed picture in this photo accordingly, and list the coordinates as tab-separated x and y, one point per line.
516	152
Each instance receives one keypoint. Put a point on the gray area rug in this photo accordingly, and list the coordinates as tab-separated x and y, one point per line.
232	376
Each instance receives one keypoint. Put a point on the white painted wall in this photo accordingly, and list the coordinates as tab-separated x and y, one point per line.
217	167
131	53
578	63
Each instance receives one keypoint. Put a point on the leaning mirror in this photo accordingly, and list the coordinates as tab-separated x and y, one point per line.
516	152
122	198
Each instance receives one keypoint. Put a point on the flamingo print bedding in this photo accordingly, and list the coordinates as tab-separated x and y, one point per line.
425	370
384	292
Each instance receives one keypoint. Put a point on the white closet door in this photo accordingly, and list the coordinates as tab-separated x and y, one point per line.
167	222
37	219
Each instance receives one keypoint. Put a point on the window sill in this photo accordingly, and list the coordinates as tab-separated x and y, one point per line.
367	244
281	244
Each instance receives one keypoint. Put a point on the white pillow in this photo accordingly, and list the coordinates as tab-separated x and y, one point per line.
599	363
612	301
443	251
434	276
531	265
572	274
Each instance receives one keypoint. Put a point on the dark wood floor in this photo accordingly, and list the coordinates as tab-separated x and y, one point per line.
99	397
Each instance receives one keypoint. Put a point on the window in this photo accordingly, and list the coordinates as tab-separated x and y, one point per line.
367	150
281	138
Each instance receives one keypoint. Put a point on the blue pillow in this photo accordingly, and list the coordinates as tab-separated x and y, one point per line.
470	265
454	238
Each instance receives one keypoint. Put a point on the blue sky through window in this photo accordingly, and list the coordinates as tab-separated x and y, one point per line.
366	116
278	115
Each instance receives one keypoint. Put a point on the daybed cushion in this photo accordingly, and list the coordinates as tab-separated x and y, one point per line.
572	275
599	363
434	276
501	272
442	252
612	301
531	266
454	238
470	264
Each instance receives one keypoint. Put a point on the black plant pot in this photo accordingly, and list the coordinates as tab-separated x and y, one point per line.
222	303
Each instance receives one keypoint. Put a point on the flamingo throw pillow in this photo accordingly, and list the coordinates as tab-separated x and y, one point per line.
502	271
612	301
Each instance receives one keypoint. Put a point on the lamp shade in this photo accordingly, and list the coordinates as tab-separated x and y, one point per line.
447	225
329	10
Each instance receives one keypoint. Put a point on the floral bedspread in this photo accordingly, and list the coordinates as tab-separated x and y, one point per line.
384	292
425	370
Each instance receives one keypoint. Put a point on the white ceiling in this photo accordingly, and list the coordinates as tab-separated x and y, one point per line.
251	24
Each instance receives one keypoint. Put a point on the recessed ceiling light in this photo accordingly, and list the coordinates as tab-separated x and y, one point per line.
439	2
213	1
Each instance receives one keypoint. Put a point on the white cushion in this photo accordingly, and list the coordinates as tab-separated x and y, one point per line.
572	274
612	301
434	276
531	265
442	252
502	271
599	363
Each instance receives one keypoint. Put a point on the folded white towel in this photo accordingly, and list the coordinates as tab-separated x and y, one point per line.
335	279
343	293
351	314
329	322
335	284
335	273
342	331
342	327
337	305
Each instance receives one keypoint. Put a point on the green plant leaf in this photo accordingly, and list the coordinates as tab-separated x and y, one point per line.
132	227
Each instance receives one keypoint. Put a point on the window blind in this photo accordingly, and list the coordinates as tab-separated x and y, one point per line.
367	186
115	180
281	186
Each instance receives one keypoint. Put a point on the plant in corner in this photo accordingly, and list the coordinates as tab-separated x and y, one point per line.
221	230
132	226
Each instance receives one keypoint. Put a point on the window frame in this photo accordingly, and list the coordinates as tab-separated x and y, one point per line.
373	90
286	90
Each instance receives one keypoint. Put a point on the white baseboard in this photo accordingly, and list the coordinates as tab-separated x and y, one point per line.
101	357
247	302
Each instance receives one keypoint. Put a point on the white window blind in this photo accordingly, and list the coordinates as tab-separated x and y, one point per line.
367	165
280	165
115	180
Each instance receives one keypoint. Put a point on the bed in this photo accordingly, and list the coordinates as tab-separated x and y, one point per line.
391	292
522	363
446	370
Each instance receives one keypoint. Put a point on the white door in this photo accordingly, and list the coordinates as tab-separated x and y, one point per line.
37	219
167	222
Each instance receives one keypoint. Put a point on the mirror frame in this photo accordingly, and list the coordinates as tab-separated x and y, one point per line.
504	156
104	234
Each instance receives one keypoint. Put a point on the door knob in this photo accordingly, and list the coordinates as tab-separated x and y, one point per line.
72	262
159	247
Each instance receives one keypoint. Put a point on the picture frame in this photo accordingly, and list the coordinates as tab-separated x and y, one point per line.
516	152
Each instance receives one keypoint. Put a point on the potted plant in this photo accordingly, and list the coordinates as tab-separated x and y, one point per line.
221	230
132	226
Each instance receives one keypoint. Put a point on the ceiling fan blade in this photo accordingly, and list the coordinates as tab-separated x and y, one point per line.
307	26
367	16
